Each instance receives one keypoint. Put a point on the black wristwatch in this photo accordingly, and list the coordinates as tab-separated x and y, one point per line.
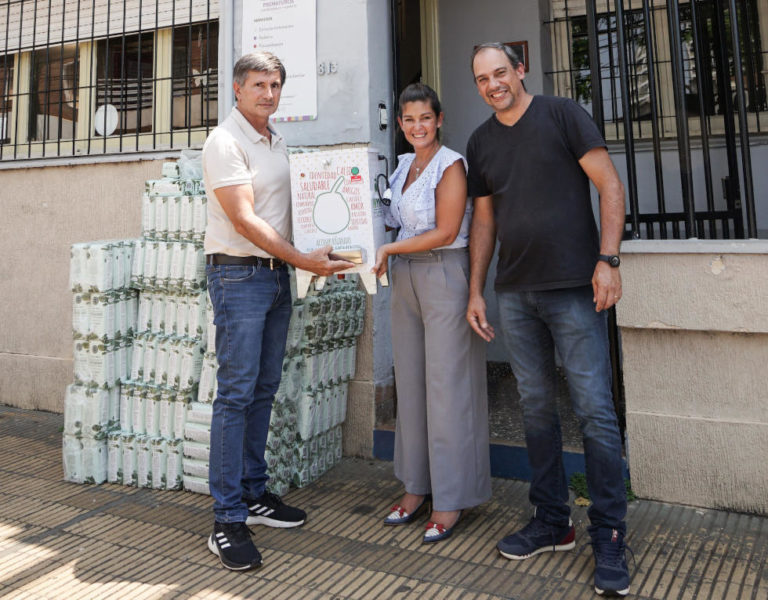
611	259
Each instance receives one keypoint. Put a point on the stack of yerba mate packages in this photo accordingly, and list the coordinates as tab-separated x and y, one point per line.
310	405
139	412
169	272
103	325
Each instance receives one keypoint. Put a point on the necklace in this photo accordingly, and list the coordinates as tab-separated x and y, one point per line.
426	162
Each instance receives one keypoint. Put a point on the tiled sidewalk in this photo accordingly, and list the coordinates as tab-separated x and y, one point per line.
61	540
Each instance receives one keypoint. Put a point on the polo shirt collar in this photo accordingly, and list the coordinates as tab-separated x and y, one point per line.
253	135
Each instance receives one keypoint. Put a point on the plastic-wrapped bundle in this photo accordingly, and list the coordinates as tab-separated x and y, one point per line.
100	266
173	465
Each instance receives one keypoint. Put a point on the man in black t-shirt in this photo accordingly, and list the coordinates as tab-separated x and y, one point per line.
530	165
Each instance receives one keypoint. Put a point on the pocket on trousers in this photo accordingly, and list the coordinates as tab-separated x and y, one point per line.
236	273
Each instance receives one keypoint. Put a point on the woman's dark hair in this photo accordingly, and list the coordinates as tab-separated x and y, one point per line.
419	92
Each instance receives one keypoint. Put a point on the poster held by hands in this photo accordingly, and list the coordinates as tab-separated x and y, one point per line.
331	196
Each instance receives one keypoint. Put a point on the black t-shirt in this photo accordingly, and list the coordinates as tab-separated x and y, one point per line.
541	201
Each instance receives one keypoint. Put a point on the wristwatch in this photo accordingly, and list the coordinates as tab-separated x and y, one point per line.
611	259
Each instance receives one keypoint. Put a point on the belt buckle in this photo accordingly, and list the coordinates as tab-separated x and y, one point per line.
271	264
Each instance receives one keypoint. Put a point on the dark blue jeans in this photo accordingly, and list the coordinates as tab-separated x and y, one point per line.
252	308
534	324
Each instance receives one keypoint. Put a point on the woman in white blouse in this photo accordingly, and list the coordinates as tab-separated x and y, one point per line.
441	437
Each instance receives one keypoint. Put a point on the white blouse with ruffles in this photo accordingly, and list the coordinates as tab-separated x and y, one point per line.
414	211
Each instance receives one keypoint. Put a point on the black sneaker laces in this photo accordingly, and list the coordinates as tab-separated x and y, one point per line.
271	500
611	555
237	532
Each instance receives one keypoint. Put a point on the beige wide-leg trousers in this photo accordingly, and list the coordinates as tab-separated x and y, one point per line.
441	437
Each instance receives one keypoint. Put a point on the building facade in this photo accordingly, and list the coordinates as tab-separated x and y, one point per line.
94	96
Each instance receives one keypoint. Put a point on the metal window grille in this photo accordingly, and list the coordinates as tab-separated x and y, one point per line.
95	77
688	81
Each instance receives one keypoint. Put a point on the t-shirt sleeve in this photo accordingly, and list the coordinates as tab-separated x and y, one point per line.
476	184
579	129
225	163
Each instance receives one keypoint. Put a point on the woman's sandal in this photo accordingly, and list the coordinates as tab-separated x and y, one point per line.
398	516
436	532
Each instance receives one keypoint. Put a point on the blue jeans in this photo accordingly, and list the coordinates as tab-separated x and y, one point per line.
252	308
534	324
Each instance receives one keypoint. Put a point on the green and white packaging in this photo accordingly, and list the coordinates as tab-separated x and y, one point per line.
115	458
130	474
173	465
159	462
143	461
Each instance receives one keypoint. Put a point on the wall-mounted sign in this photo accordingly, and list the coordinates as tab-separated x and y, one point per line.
331	195
287	29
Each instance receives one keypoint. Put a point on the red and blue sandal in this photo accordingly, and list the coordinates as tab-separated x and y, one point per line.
399	516
436	532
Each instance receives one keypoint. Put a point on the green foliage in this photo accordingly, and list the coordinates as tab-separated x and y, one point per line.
578	484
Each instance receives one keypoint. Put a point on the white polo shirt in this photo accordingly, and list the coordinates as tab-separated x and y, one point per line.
235	154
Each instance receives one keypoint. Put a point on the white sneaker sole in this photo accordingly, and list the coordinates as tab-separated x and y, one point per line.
560	548
273	522
623	592
215	549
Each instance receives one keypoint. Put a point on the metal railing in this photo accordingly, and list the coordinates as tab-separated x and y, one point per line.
683	81
97	77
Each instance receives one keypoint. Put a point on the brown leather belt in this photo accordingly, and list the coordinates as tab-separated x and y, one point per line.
259	261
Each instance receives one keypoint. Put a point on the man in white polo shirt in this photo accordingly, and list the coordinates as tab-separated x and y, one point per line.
247	247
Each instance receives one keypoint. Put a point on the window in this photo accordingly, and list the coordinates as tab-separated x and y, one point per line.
124	85
103	77
704	93
195	75
53	94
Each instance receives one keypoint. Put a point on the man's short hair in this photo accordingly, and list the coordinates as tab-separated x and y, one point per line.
263	62
511	55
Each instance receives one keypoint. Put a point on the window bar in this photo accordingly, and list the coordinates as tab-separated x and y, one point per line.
653	97
33	92
207	89
139	83
188	96
698	50
61	90
91	94
752	71
49	83
629	137
16	141
107	83
732	183
7	80
76	81
569	42
170	74
124	86
681	114
154	74
746	157
612	76
594	67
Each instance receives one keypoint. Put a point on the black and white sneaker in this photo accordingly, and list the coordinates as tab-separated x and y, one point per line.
232	543
269	510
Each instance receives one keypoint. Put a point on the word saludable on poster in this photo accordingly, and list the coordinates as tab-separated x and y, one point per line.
331	193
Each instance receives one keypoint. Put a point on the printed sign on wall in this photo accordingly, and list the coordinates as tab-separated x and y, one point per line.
287	29
331	194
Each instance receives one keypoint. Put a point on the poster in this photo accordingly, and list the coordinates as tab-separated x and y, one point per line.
287	29
331	196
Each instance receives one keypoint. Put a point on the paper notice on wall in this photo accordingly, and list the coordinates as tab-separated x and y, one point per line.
331	196
287	29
